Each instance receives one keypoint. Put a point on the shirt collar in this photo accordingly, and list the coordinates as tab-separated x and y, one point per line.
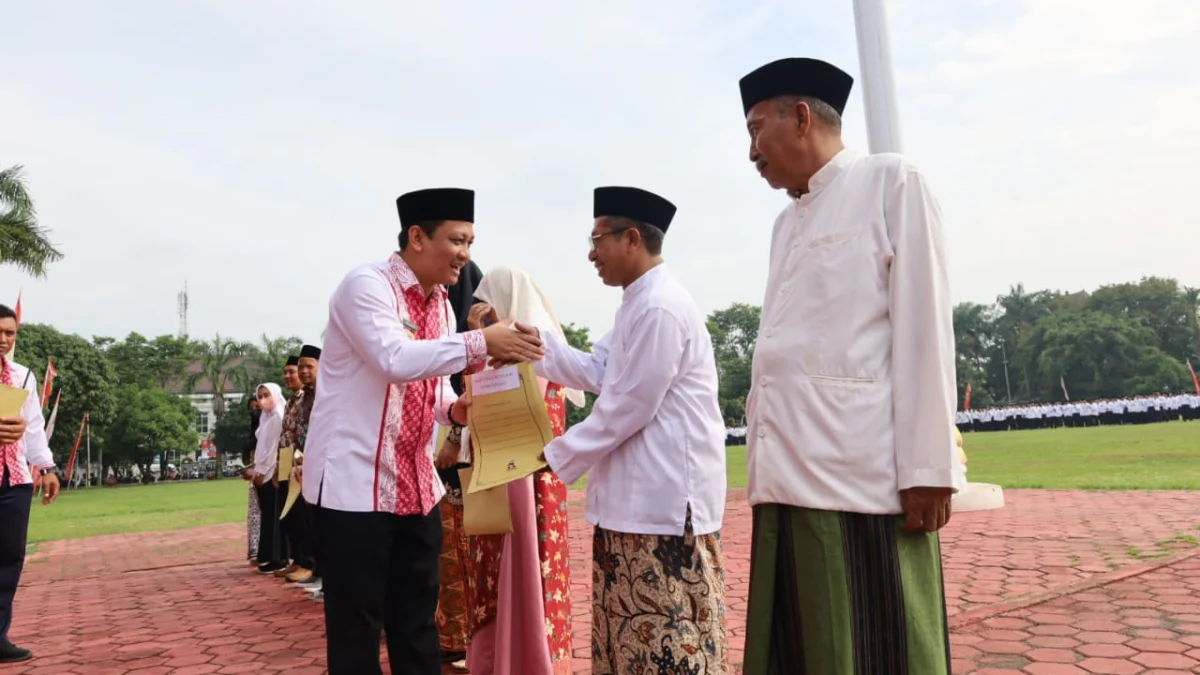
644	282
832	169
407	279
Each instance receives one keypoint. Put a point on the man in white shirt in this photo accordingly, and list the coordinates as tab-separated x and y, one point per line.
22	445
653	448
852	458
390	348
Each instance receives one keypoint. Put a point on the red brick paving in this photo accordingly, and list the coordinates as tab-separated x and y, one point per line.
1056	583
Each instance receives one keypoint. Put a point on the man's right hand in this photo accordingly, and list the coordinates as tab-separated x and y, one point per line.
506	344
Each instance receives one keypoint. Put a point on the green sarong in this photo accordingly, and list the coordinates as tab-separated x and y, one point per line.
843	594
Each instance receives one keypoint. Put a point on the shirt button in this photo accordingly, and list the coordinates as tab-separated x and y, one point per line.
762	433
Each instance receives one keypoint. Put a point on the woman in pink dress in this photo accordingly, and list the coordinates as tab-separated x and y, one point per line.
520	621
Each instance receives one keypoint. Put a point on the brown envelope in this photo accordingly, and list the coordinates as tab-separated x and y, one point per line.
485	511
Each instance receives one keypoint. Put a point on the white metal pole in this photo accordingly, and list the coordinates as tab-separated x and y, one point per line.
878	85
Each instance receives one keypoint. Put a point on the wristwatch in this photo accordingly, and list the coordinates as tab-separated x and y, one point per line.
43	472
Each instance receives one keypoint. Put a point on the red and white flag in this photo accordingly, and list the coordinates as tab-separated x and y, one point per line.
48	383
1063	383
1195	381
75	448
53	416
967	398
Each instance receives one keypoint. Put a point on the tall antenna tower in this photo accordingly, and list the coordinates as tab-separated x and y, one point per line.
183	309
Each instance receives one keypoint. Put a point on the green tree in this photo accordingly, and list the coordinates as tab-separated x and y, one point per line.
1099	355
231	434
161	362
152	423
1156	303
264	362
23	242
733	331
974	339
579	337
1191	298
86	380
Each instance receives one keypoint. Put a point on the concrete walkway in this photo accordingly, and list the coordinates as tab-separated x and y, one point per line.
1055	583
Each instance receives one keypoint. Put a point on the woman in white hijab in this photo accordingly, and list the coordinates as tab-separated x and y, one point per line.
266	456
521	604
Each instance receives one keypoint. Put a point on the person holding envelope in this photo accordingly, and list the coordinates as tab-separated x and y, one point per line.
521	591
389	351
22	444
272	544
653	448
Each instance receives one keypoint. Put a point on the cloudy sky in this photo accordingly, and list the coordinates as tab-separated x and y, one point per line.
255	149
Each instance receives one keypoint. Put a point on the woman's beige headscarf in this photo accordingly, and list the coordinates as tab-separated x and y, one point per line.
514	294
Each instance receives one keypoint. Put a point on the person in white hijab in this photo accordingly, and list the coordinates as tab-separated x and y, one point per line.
271	554
521	618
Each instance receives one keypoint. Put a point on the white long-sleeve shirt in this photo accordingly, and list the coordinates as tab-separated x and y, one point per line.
33	448
654	443
266	448
853	388
355	455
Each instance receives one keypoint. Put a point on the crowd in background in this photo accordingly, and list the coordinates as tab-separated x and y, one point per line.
1109	411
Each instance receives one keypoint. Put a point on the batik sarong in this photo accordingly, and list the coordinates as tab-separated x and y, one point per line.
658	604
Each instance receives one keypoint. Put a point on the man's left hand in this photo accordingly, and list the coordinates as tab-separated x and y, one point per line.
12	429
49	488
926	509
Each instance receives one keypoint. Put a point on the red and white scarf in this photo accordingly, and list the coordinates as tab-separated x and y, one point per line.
18	471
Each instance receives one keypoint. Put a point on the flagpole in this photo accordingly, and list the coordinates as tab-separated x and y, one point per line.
88	481
878	85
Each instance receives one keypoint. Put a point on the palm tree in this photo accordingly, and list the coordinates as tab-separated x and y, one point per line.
218	363
23	242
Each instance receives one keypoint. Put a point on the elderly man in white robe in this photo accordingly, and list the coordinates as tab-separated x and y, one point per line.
654	451
852	460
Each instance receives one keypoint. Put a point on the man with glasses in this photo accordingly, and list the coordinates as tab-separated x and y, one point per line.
654	451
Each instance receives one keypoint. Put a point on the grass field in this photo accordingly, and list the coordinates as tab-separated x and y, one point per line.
1150	457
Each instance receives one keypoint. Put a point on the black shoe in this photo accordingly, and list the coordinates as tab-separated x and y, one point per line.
271	567
10	653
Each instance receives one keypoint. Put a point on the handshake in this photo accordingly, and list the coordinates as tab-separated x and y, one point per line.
508	341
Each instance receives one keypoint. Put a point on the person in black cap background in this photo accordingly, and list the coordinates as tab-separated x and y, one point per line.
653	448
298	521
389	350
852	458
287	440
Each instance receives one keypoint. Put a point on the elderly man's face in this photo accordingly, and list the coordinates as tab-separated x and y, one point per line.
777	144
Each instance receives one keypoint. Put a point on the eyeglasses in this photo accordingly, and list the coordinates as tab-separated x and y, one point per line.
595	238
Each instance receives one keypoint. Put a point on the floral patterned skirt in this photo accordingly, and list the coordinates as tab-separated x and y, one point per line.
658	604
453	576
253	523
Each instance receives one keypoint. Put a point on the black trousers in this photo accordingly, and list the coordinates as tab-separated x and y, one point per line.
272	542
380	573
14	529
299	527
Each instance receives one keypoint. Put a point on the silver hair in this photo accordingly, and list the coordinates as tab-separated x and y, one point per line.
820	109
